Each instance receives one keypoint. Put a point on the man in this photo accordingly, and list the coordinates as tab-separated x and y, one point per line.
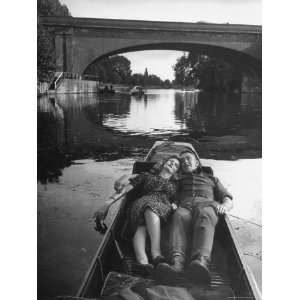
201	198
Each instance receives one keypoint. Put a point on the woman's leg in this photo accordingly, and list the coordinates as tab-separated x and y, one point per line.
153	227
139	245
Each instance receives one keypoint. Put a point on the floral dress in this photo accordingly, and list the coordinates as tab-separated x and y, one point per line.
157	193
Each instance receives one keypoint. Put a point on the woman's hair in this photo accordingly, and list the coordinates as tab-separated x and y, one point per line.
160	164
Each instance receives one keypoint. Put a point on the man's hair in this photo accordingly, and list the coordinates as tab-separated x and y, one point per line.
187	151
194	154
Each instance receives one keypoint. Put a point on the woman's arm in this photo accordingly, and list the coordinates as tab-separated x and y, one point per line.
111	200
102	212
122	182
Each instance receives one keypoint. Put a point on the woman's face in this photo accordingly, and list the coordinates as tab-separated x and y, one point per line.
172	165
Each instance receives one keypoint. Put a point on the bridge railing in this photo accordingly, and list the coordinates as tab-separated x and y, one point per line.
59	76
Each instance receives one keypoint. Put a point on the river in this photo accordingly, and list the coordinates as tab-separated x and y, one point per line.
77	167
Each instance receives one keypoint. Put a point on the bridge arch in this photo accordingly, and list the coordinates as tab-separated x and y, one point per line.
244	62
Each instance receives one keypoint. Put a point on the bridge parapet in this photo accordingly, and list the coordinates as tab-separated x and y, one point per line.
80	41
92	23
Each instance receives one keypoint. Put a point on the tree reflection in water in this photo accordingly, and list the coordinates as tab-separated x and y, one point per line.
85	125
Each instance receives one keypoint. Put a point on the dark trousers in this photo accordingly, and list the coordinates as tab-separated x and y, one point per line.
193	223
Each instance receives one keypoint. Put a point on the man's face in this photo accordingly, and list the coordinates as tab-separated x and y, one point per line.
189	162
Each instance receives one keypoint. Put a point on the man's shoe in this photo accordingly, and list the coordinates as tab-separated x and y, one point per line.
198	270
169	273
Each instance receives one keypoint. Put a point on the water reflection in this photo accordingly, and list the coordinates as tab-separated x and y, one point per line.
74	125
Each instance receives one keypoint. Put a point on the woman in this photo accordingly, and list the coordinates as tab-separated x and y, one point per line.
146	212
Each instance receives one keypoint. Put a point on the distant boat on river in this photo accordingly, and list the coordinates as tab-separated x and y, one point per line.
107	90
137	91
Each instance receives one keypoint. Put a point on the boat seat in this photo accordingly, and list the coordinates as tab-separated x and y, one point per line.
142	166
145	166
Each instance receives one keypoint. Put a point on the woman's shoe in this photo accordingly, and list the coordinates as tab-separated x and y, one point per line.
144	270
158	260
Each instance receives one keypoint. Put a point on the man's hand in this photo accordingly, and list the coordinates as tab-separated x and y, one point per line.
221	209
174	206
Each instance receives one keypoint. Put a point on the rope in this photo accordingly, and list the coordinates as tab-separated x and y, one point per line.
247	221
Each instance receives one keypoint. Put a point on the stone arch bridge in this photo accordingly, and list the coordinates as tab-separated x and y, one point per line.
81	41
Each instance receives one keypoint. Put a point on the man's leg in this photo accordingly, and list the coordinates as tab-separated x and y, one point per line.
204	222
179	233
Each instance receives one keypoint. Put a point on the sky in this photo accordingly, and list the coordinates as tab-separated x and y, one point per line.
160	62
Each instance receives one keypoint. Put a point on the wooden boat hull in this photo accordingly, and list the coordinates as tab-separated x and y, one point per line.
228	266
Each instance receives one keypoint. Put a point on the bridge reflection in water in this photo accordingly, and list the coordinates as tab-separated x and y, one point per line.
74	124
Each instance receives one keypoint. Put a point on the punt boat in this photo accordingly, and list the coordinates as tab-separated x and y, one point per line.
228	266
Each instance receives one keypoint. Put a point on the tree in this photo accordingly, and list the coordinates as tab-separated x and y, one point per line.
154	80
48	8
182	70
45	54
205	71
137	79
121	68
116	69
45	41
146	77
167	84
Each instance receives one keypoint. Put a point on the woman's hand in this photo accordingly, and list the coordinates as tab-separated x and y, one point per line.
120	184
174	206
100	216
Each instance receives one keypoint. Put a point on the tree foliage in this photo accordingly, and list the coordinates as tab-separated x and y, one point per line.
205	71
117	69
45	54
49	8
45	41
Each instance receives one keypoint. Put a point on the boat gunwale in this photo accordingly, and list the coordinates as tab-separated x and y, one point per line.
241	259
101	247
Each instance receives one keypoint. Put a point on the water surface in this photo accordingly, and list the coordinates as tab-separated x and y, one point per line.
70	191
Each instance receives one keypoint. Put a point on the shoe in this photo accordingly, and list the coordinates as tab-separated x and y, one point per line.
158	260
144	270
198	270
170	273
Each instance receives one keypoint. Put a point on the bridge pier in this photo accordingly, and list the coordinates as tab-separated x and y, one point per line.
251	84
64	51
